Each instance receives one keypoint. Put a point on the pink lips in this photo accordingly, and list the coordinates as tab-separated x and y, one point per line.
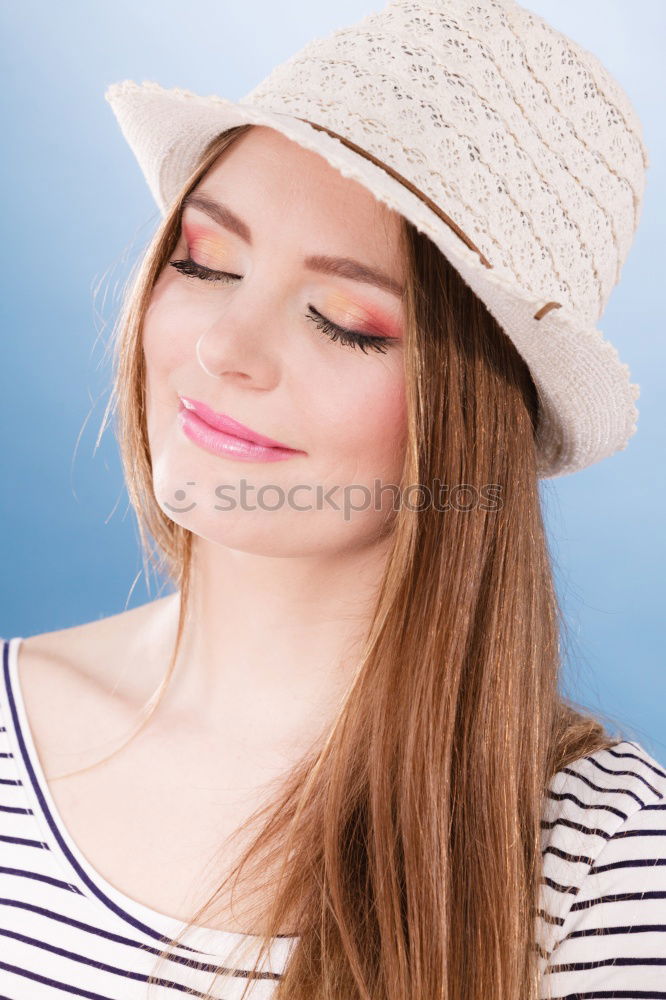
223	435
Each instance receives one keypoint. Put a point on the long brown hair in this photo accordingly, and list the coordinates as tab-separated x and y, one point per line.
409	839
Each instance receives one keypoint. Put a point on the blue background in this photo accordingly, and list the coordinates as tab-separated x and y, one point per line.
77	212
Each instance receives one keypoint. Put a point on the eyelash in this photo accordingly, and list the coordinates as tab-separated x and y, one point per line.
350	338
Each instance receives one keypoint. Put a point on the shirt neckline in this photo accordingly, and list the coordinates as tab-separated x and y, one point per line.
210	941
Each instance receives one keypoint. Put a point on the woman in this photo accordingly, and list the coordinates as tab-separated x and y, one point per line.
363	331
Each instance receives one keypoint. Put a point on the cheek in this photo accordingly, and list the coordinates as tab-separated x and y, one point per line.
167	348
165	340
366	421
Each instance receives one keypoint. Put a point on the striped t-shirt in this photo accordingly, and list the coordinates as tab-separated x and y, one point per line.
67	932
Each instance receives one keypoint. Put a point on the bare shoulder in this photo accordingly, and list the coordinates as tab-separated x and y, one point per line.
89	649
81	682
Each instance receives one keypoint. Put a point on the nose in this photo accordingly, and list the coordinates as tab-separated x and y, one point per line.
202	362
239	347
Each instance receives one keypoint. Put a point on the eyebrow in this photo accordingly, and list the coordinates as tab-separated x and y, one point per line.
341	267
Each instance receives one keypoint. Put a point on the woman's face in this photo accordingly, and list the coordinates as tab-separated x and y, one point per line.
249	344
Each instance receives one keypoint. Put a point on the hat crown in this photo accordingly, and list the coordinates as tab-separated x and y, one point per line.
515	131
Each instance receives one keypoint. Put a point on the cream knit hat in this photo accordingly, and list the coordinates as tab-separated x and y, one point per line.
510	146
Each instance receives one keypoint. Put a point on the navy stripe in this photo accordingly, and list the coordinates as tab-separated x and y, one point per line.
622	929
569	796
117	971
645	763
5	839
39	877
580	827
575	859
54	983
601	963
99	932
600	788
613	995
633	774
619	897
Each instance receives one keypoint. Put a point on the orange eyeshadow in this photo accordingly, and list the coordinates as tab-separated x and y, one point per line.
348	312
201	240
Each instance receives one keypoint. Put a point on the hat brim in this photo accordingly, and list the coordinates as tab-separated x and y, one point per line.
587	408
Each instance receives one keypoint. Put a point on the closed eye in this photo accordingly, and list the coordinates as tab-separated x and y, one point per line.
350	338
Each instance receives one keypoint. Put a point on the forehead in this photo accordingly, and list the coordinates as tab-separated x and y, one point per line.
269	176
